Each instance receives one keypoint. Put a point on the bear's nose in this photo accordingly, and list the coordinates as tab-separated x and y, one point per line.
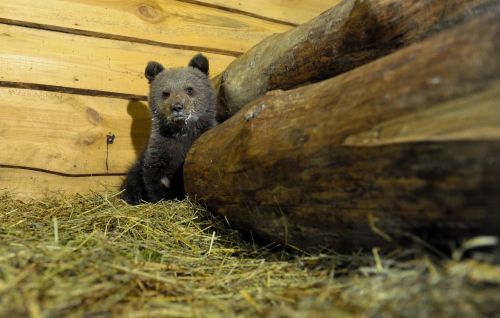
177	107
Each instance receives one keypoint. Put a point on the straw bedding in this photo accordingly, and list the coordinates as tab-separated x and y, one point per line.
95	256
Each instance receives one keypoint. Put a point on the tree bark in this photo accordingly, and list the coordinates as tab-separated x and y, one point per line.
405	147
350	34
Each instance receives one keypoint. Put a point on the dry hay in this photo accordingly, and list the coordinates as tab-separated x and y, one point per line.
95	256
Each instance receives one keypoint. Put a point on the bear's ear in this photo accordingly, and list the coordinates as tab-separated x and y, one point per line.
153	69
200	62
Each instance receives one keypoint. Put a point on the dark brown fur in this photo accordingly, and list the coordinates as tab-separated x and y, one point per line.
182	105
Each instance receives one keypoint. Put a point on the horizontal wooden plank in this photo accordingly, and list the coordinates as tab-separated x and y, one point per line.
27	184
52	58
290	11
162	21
66	133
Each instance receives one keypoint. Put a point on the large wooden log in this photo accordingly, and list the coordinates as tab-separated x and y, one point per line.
351	34
407	145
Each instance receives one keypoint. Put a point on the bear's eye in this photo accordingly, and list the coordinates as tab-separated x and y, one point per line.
189	91
166	95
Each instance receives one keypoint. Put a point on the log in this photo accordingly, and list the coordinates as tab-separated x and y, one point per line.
349	35
405	147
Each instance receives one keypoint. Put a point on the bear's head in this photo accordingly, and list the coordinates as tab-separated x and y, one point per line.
181	97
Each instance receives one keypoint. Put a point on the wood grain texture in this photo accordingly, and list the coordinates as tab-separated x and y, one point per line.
351	34
66	133
52	58
290	11
406	145
161	21
27	185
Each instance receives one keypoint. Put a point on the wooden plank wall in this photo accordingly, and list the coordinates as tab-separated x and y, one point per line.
71	72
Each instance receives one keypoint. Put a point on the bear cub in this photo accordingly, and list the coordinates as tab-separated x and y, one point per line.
182	106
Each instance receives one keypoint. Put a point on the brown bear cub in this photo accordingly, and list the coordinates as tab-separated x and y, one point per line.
182	105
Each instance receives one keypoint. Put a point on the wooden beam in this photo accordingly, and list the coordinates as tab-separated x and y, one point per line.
87	64
407	146
290	11
158	22
66	133
351	34
26	185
